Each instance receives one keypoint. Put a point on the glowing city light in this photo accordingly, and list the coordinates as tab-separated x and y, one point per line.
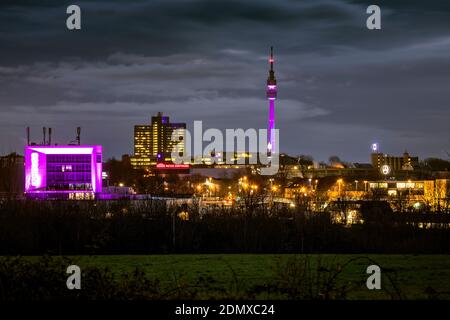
374	147
171	166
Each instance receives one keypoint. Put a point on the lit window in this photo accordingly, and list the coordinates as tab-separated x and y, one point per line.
392	193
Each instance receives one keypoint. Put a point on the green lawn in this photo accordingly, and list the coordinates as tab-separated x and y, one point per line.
415	275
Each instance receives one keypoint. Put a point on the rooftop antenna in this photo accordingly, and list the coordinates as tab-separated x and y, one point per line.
44	131
28	136
78	135
49	136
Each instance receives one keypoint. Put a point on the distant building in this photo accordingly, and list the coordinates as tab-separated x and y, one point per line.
63	172
225	172
155	143
405	162
418	194
11	174
142	146
433	194
361	172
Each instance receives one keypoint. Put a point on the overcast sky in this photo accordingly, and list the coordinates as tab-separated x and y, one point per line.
341	86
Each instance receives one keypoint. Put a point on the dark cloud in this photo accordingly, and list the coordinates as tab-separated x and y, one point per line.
340	86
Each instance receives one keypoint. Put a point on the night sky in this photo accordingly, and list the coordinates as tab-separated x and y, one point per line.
341	86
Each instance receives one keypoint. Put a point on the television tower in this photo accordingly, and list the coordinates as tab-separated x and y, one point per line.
271	92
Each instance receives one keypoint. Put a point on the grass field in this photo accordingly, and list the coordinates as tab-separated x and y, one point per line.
415	276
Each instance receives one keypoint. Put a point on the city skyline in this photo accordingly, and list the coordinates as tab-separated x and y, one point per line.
224	158
340	83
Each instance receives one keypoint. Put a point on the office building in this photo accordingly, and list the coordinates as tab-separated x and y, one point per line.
142	145
155	143
63	172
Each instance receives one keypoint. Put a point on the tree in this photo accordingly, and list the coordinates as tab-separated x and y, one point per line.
334	159
435	164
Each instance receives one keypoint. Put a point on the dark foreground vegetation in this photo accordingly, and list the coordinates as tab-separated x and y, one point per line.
151	227
167	277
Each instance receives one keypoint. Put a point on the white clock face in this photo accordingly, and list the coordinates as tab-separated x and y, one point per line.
385	169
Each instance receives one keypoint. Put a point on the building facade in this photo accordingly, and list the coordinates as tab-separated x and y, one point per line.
418	194
63	172
11	175
431	194
405	162
155	143
142	145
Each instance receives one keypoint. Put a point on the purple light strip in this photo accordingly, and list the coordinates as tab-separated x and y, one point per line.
271	126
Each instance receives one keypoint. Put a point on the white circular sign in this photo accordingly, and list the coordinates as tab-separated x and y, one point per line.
385	169
374	147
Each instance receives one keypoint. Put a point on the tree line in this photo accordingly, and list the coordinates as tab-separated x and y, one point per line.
150	227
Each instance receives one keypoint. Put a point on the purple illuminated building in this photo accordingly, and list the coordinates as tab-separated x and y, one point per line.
271	95
63	172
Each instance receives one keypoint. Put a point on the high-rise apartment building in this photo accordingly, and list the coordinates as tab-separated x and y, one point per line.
155	142
405	162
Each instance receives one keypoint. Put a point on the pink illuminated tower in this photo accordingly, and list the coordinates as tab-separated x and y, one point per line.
271	95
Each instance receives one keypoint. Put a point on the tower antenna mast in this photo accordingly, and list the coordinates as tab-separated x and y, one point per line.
271	93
